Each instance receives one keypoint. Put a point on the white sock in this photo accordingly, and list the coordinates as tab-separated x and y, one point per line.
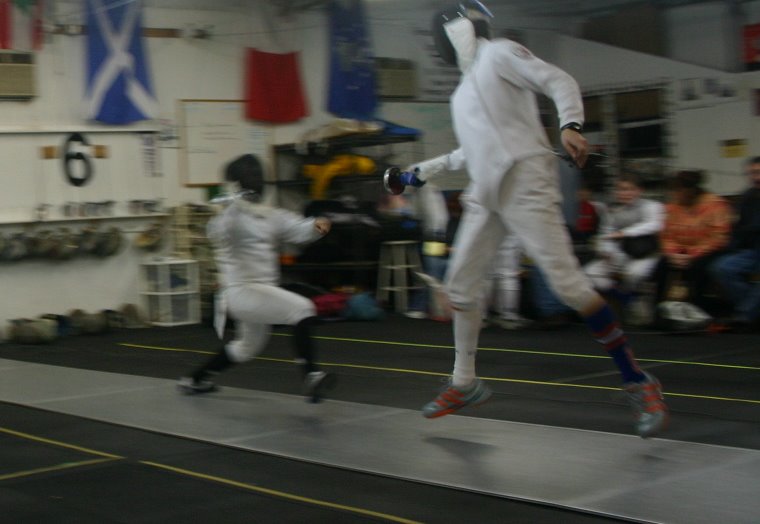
466	332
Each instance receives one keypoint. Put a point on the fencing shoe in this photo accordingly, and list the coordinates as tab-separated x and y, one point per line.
453	398
513	322
317	383
648	406
190	386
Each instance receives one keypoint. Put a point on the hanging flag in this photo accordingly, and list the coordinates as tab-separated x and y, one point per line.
352	69
752	47
119	88
21	25
273	91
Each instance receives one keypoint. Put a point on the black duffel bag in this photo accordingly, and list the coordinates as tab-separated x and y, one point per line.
640	246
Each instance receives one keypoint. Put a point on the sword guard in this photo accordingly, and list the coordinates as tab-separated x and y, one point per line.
392	181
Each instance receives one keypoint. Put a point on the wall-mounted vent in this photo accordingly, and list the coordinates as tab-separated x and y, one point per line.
396	78
17	76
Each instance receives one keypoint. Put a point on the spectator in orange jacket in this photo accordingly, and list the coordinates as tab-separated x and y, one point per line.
696	231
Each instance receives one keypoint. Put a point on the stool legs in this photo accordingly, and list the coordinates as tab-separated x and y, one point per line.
400	270
397	259
383	275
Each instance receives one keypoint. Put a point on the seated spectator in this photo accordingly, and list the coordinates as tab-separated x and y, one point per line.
737	271
431	208
502	286
697	225
591	214
395	205
628	247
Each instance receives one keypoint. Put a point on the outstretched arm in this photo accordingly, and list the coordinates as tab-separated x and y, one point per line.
416	175
428	169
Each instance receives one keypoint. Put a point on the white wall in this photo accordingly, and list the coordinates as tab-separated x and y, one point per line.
696	129
699	34
182	68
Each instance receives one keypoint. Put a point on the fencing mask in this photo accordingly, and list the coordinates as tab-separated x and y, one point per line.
456	31
247	173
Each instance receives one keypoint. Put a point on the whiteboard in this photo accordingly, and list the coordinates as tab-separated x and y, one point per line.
433	119
214	132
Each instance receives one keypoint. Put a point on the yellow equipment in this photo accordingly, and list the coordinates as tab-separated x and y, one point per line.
339	165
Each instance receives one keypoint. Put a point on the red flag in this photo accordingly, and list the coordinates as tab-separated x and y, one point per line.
273	91
21	25
752	45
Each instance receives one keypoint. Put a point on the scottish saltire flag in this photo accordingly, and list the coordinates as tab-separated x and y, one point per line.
352	69
21	25
119	88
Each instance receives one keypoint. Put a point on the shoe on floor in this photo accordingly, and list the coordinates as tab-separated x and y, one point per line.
317	383
415	314
648	406
190	386
454	398
513	322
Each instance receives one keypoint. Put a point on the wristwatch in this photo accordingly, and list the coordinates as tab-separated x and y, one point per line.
575	126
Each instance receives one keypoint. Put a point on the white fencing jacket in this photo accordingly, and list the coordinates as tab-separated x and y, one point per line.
246	238
495	112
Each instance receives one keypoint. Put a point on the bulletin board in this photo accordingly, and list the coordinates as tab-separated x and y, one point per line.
213	132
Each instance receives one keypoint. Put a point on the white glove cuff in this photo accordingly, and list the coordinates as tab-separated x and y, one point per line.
431	167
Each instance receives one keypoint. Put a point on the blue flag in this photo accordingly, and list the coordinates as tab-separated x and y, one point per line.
119	89
352	69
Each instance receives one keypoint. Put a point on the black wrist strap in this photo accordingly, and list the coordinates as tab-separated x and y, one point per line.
575	126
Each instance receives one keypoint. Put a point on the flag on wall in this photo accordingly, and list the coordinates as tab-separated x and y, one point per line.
119	88
273	90
21	25
752	47
352	68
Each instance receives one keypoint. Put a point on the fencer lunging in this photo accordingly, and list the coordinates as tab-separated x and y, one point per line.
245	237
513	187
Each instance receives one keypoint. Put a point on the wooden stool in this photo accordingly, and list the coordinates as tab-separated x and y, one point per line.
398	259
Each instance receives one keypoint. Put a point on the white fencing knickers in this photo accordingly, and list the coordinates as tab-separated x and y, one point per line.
529	207
255	307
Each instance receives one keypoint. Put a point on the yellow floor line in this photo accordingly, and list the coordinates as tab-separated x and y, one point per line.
281	494
440	374
108	457
531	352
441	346
59	467
43	440
160	348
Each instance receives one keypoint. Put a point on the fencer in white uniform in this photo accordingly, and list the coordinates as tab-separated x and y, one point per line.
246	235
631	216
513	186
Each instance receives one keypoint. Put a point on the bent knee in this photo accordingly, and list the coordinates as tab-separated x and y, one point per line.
240	352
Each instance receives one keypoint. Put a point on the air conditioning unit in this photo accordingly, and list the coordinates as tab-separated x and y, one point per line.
396	78
17	81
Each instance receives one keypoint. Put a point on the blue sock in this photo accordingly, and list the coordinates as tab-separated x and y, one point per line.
623	296
607	331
